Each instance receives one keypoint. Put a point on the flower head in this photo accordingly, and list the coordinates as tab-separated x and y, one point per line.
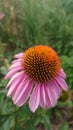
36	75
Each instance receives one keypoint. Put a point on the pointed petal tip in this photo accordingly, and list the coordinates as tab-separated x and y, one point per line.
32	109
8	94
61	82
16	103
34	101
66	89
5	77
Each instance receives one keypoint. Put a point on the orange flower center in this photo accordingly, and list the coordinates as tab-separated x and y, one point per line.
41	63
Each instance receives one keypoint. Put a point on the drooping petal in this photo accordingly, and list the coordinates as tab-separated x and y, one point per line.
20	90
11	72
17	64
43	88
14	86
51	95
48	103
25	94
62	74
20	55
17	61
14	77
61	82
56	88
35	98
42	96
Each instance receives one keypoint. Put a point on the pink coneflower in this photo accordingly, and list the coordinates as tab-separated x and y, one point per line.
36	75
1	16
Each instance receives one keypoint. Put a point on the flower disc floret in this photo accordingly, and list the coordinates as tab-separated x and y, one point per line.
41	63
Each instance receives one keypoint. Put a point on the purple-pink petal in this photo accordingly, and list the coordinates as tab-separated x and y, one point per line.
14	77
56	88
11	72
17	64
20	55
16	61
35	98
62	83
43	96
48	103
19	90
14	86
51	95
25	94
62	74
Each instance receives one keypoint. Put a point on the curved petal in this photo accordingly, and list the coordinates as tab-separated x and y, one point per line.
25	94
43	96
14	86
56	88
51	95
14	77
62	83
35	98
19	90
48	103
17	64
17	61
62	74
11	72
20	55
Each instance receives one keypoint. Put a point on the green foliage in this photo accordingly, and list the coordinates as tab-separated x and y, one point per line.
27	23
64	126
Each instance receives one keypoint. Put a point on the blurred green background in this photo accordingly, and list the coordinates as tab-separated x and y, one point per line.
27	23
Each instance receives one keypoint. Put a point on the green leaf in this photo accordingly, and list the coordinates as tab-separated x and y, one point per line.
18	126
3	119
64	126
47	123
30	125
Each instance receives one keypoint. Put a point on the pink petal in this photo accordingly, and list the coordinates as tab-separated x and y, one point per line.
61	82
20	55
51	95
17	61
62	74
17	68
43	96
17	64
35	98
48	103
14	77
15	85
25	94
2	16
56	88
19	90
12	72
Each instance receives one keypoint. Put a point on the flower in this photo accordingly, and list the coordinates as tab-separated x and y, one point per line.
1	16
36	75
